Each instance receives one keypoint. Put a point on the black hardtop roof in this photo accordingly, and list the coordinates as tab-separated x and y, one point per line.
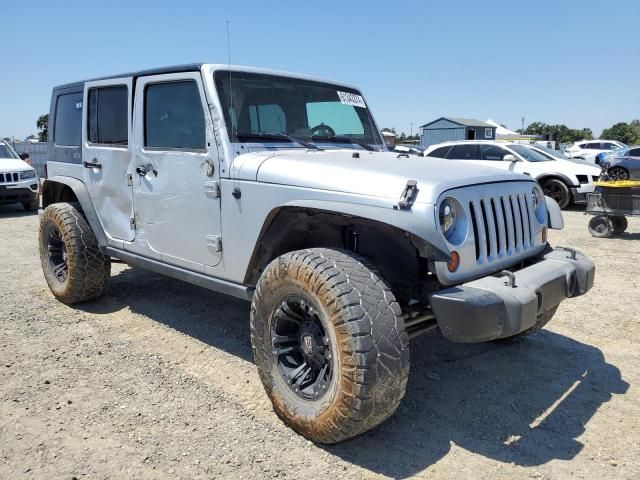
189	67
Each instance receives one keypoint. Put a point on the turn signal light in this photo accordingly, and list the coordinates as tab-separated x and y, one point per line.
454	262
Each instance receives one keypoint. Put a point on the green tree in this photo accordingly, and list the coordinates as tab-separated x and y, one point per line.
624	132
43	127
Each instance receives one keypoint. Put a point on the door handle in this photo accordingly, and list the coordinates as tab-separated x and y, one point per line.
92	164
142	170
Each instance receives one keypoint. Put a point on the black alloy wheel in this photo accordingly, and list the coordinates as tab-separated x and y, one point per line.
616	174
57	255
302	348
557	190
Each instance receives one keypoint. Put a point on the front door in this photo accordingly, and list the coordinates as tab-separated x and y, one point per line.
175	170
106	153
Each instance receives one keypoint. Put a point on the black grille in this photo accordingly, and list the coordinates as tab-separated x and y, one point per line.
9	177
501	225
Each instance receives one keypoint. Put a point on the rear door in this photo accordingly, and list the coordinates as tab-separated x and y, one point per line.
106	153
176	174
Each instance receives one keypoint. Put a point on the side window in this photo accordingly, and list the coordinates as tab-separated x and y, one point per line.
492	152
173	116
634	152
439	152
107	115
583	146
67	129
267	119
594	146
463	152
610	146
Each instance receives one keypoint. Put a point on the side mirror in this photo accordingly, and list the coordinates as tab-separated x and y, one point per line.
24	156
509	158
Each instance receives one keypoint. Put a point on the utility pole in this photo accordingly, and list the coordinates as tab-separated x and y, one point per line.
522	124
411	134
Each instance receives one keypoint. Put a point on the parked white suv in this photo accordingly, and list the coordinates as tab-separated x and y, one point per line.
18	179
563	180
588	149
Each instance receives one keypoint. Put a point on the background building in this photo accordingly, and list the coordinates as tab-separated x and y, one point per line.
446	129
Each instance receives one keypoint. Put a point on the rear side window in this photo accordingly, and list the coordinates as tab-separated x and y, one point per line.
107	110
173	116
67	129
463	152
594	146
439	152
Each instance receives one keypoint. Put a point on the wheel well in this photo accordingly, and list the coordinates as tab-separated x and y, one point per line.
391	250
564	180
56	192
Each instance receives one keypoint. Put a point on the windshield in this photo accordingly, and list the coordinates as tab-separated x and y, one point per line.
263	108
529	153
6	152
552	152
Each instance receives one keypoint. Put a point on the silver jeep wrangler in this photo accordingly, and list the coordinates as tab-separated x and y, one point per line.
277	188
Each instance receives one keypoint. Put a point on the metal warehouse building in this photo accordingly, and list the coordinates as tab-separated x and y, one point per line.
446	129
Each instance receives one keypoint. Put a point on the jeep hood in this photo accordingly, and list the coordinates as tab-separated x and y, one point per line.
377	174
13	165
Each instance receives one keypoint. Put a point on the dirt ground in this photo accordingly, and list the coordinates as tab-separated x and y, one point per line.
157	381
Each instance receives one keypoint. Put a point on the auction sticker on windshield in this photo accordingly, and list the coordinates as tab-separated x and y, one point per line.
351	99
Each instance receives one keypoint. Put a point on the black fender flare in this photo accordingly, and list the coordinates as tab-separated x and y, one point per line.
430	242
81	192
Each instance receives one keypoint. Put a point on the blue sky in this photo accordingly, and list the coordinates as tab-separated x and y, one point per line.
571	62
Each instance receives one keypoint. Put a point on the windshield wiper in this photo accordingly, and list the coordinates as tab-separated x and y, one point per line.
281	136
335	138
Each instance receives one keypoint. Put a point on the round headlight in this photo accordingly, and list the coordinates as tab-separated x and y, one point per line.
447	216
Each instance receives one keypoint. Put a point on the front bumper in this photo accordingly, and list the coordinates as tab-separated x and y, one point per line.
580	193
17	193
498	307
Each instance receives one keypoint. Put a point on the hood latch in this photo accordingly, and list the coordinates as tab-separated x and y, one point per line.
409	195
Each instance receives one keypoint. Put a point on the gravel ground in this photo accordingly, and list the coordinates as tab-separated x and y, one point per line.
157	381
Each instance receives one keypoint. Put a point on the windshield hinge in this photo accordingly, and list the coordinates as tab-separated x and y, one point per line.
409	195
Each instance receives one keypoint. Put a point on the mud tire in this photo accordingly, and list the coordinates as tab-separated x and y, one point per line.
88	270
370	345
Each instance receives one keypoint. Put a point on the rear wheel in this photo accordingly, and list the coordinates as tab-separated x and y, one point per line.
329	343
557	190
74	267
619	224
617	174
600	227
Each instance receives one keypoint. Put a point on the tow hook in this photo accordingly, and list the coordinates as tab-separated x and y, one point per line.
571	251
511	278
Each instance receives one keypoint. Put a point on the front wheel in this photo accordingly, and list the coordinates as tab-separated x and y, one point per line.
74	267
557	190
329	343
31	206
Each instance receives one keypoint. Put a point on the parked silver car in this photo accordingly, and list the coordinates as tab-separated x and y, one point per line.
624	167
278	189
